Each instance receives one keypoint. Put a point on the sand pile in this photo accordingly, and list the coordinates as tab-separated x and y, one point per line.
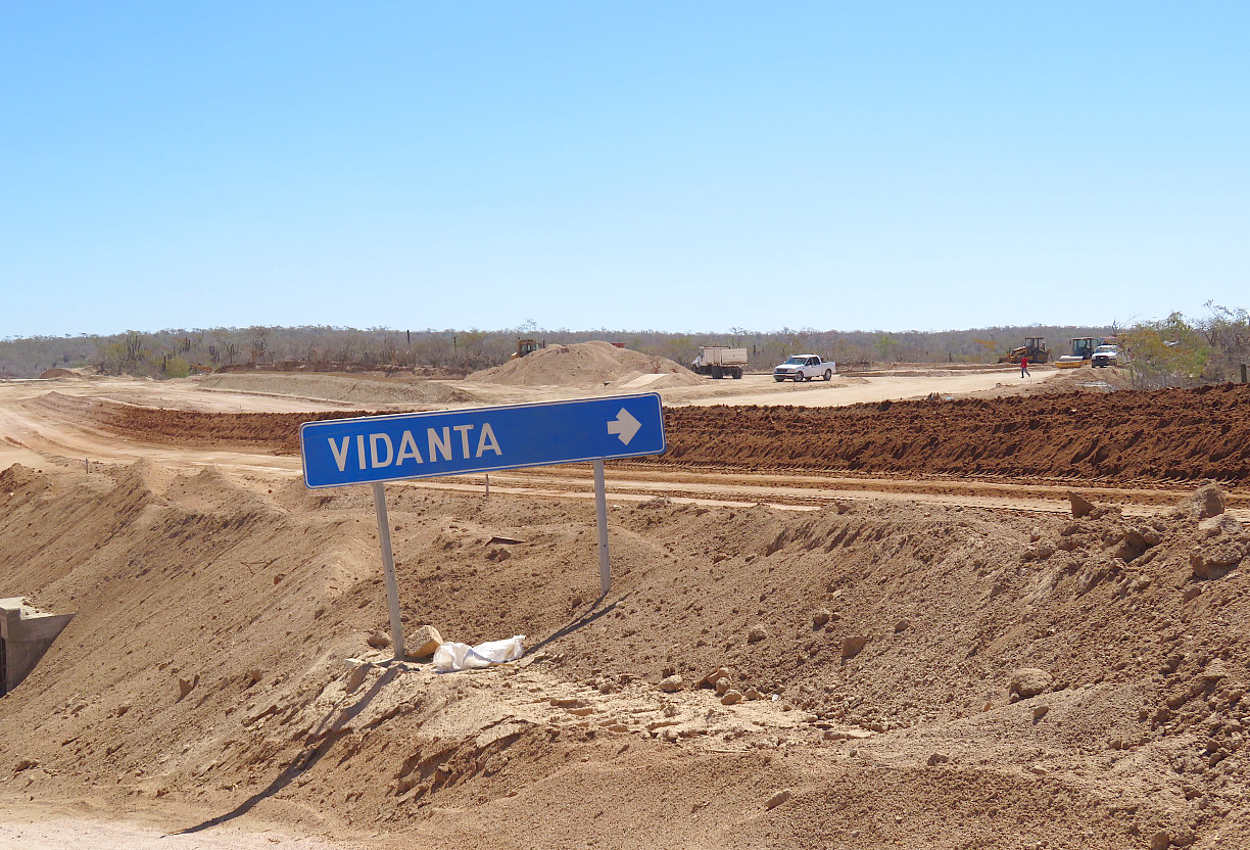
910	677
587	364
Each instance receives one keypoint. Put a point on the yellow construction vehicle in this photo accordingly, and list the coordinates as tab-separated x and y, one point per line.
1034	348
526	346
1082	350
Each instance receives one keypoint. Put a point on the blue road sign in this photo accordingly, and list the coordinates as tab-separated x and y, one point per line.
337	452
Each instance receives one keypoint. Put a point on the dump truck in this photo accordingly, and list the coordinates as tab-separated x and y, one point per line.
719	361
1034	349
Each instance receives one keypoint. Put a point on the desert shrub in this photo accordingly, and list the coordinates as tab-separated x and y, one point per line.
1227	332
1167	353
176	367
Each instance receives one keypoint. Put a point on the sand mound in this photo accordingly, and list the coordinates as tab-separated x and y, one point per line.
872	654
59	373
21	479
588	363
336	388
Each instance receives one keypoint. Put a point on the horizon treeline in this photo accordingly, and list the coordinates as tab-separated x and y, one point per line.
175	353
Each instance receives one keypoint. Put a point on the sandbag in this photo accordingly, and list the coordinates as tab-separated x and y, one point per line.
451	656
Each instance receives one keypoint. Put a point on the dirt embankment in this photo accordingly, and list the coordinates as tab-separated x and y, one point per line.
1124	436
1167	434
877	656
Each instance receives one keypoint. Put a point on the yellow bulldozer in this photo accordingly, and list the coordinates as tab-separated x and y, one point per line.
1034	348
527	346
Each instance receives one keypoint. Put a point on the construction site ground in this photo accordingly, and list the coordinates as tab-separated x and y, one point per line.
858	579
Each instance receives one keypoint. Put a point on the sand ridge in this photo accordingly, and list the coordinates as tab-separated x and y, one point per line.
589	364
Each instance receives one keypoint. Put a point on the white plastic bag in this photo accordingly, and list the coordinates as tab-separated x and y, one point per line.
450	657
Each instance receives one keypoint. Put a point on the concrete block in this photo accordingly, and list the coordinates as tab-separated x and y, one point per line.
25	635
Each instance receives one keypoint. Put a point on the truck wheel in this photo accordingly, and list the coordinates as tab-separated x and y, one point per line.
716	374
737	376
828	374
778	380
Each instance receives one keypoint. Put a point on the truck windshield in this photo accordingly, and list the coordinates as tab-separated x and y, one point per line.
796	361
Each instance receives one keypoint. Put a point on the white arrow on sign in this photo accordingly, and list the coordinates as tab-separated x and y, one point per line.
624	426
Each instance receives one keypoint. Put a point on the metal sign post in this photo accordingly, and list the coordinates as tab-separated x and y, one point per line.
601	510
388	569
374	449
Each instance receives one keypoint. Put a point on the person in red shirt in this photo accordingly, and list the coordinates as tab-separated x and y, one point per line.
1024	366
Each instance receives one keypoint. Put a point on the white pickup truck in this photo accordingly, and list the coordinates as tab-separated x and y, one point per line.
804	367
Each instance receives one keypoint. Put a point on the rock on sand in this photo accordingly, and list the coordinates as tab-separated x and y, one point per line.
426	641
1206	501
1028	682
777	799
1081	506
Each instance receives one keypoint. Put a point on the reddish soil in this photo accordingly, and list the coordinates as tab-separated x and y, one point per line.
1169	434
1128	435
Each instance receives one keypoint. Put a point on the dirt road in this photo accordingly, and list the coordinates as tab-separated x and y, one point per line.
35	828
762	389
283	392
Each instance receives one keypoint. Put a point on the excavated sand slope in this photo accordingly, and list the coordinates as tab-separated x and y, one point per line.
587	363
207	665
1183	435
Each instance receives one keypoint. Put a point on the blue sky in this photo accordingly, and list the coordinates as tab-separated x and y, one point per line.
676	166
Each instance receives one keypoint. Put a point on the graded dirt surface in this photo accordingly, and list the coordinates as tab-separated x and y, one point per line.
42	826
913	656
265	391
844	390
337	388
